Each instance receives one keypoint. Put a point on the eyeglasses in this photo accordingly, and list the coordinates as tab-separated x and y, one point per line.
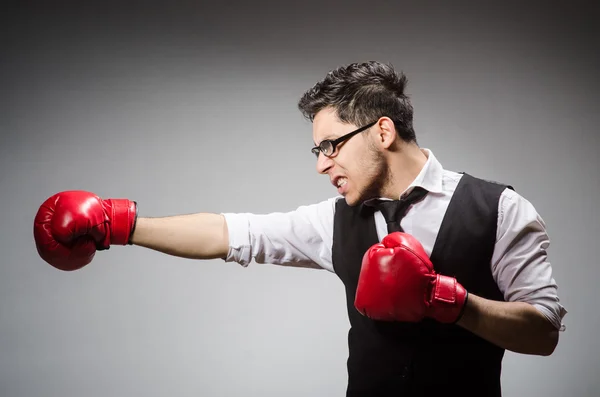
327	147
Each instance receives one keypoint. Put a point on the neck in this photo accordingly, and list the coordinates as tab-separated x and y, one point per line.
405	165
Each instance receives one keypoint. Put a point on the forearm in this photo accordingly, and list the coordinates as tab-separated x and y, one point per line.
194	236
515	326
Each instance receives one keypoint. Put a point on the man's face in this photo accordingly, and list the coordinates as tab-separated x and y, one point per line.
357	167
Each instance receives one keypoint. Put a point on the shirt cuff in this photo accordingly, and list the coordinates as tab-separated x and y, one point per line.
240	247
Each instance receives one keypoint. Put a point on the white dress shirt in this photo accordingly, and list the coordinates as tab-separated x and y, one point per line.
304	238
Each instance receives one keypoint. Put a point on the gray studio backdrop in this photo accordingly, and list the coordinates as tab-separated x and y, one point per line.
189	108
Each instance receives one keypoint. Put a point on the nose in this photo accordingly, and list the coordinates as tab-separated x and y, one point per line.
324	163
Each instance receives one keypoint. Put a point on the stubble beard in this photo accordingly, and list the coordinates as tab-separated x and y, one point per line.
378	176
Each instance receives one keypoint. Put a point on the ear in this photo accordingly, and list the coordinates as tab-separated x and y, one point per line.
386	133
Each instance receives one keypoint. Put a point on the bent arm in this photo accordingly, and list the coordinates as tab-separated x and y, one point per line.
515	326
193	236
530	318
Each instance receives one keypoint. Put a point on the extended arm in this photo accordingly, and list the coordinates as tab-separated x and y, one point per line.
194	236
71	226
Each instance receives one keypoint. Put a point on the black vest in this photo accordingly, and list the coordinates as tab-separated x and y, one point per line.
426	358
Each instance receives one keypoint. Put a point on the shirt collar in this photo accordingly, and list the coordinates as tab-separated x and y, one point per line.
431	175
429	178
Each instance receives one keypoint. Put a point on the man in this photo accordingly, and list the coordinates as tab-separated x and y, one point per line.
443	271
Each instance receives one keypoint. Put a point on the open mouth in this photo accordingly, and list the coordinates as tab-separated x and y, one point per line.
341	182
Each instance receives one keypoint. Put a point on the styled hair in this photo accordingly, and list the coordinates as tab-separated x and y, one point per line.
361	93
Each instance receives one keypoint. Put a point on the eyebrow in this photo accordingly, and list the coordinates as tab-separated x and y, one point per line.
328	137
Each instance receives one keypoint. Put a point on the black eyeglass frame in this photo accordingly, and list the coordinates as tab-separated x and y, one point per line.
320	147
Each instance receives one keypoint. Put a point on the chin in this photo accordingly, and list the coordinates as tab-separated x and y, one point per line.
356	198
352	200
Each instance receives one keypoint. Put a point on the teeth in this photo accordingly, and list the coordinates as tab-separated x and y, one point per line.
341	182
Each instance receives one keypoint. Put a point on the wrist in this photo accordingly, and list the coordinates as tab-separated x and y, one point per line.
122	215
135	218
448	300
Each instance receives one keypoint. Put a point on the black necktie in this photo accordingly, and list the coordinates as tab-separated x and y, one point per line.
394	211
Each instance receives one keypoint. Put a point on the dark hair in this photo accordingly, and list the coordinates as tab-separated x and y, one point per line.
361	93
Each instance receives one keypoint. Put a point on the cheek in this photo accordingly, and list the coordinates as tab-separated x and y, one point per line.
366	161
358	163
362	169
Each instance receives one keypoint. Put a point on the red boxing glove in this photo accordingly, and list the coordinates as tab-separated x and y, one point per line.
71	226
397	282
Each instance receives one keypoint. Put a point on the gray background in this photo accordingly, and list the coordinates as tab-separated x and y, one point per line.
187	107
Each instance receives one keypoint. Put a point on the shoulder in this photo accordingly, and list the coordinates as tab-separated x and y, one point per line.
486	190
515	208
453	180
486	181
324	206
321	212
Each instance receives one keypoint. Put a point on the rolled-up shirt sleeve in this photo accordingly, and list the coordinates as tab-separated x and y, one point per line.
300	238
520	262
